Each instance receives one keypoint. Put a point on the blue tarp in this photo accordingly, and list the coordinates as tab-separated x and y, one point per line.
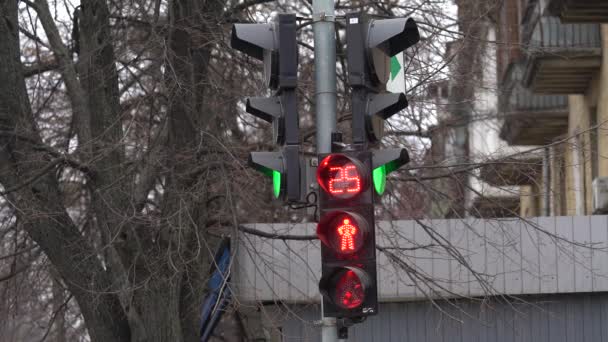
219	292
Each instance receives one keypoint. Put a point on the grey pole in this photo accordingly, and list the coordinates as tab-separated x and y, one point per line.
325	72
325	103
546	182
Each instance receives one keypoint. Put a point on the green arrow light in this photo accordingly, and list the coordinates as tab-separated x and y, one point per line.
395	67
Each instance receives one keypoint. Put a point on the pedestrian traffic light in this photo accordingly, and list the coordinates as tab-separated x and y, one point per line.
346	227
346	230
370	45
276	46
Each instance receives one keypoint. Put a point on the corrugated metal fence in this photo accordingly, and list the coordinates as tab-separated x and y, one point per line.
538	256
547	318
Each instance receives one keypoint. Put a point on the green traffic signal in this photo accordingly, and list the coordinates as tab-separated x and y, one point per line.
385	162
379	178
276	183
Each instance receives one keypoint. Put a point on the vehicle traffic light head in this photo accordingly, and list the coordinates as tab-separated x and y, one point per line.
370	45
275	44
346	231
284	169
384	162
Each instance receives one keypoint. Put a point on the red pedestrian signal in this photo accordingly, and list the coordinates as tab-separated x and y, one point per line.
350	291
343	232
346	230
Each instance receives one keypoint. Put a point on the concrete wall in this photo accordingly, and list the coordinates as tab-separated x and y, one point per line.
529	197
580	154
579	190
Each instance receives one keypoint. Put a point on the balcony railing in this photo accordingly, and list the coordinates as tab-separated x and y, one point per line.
579	11
512	171
495	206
549	33
529	118
562	58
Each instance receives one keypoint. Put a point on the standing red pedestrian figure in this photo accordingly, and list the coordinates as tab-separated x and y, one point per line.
346	231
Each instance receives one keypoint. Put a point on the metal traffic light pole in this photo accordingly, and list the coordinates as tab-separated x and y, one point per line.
325	72
325	100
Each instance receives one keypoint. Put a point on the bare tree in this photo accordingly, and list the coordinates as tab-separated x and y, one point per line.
122	147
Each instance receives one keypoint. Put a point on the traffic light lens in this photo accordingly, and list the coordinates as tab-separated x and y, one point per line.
344	179
347	233
379	178
344	232
340	176
350	293
276	183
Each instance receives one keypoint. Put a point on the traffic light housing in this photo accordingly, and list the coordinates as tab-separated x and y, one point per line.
347	232
370	45
276	46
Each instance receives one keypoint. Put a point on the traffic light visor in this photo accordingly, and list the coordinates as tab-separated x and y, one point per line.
393	35
253	39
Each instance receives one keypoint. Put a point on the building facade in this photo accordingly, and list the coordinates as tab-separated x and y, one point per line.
552	74
533	106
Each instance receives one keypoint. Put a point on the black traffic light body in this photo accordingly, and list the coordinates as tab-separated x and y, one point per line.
275	44
370	45
346	194
347	232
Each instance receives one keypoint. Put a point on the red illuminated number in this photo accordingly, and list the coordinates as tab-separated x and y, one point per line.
347	180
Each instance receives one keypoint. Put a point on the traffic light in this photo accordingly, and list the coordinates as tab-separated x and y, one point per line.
348	178
275	44
370	45
384	162
346	227
346	230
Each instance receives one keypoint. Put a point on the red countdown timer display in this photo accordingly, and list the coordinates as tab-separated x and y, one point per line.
340	176
344	232
350	290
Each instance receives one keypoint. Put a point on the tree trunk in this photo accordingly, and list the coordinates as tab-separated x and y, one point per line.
35	196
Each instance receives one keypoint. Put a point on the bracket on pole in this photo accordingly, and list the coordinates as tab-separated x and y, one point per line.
322	16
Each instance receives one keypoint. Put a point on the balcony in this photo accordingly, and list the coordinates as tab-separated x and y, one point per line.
495	206
530	119
561	58
579	11
511	171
